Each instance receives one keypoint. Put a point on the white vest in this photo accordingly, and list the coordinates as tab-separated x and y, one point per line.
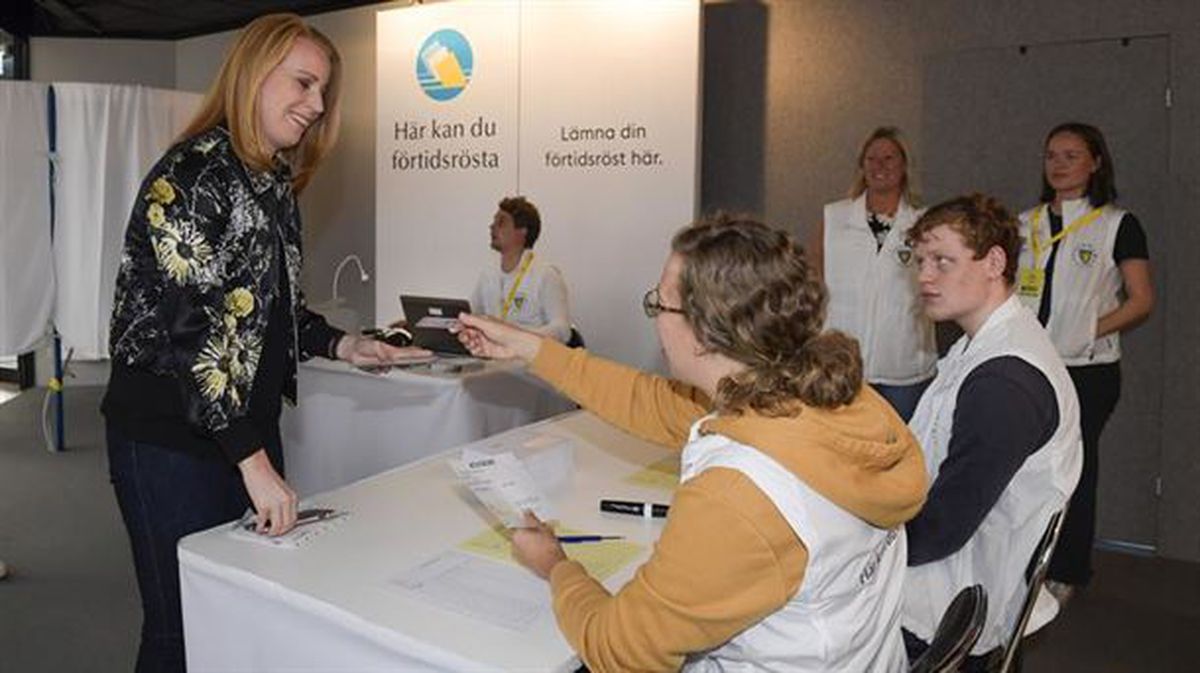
529	308
845	616
873	296
997	554
1085	285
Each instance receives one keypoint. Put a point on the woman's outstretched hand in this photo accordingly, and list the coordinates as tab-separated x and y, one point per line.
490	338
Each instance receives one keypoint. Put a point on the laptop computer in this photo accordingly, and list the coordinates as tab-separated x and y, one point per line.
429	320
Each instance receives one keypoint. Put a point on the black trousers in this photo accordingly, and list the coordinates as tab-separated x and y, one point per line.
1099	388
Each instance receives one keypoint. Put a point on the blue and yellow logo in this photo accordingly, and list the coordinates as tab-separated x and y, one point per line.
445	64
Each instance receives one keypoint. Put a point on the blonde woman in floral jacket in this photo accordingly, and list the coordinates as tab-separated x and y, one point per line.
209	320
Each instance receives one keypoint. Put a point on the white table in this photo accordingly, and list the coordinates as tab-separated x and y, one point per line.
351	424
331	605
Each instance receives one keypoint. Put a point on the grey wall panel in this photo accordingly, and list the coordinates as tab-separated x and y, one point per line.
1179	511
734	115
835	70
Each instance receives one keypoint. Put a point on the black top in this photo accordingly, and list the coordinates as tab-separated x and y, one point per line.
1130	244
1005	411
880	227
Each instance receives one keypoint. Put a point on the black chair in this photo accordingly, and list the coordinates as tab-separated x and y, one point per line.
1039	564
956	633
576	339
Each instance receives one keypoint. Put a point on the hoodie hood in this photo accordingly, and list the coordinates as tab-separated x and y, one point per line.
860	456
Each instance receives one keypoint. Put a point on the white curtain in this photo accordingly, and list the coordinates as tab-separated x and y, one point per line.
26	269
108	138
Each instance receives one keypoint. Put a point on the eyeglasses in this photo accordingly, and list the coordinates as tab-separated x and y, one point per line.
653	306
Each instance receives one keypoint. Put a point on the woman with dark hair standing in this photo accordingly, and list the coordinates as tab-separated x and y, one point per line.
868	268
783	548
209	320
1085	272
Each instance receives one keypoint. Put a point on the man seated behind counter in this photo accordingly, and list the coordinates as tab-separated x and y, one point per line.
524	290
999	426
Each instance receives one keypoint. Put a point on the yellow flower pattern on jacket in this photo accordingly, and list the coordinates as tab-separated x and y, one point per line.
155	215
231	354
239	302
213	369
161	192
181	250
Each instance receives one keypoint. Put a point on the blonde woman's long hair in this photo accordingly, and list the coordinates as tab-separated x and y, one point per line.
893	134
233	97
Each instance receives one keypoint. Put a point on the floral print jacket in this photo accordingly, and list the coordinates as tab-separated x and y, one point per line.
199	276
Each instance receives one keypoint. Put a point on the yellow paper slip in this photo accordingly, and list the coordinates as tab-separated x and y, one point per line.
662	474
601	559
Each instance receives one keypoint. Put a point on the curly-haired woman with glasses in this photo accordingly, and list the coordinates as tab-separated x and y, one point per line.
783	545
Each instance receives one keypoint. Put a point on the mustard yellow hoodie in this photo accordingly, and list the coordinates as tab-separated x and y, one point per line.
726	558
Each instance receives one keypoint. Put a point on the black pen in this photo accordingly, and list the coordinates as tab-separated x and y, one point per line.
645	509
570	539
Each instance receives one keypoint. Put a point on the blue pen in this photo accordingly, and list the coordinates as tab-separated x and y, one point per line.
570	539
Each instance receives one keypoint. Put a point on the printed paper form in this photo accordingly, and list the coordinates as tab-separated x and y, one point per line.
662	474
601	559
499	594
503	484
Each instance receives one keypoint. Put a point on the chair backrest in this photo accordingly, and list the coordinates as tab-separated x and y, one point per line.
956	633
576	339
1038	567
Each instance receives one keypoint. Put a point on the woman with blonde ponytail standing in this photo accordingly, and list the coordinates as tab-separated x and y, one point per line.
783	547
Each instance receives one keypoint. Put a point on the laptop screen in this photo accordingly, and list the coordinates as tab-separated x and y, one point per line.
429	319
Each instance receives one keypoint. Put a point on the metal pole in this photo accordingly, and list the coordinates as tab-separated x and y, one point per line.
56	384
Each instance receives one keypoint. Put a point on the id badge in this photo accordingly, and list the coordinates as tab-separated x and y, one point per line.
1030	283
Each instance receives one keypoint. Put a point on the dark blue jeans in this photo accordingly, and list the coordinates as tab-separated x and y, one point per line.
165	495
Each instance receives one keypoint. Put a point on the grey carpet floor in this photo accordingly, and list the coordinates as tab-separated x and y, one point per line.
71	603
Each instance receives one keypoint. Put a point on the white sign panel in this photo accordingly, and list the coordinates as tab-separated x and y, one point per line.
595	111
609	93
446	145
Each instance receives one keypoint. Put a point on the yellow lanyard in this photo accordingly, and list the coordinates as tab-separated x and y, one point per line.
512	292
1039	247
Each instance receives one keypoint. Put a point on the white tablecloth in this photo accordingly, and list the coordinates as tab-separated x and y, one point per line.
351	424
332	605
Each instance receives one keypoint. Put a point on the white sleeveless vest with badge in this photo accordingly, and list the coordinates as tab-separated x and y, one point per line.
873	295
997	554
528	307
1085	283
845	616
